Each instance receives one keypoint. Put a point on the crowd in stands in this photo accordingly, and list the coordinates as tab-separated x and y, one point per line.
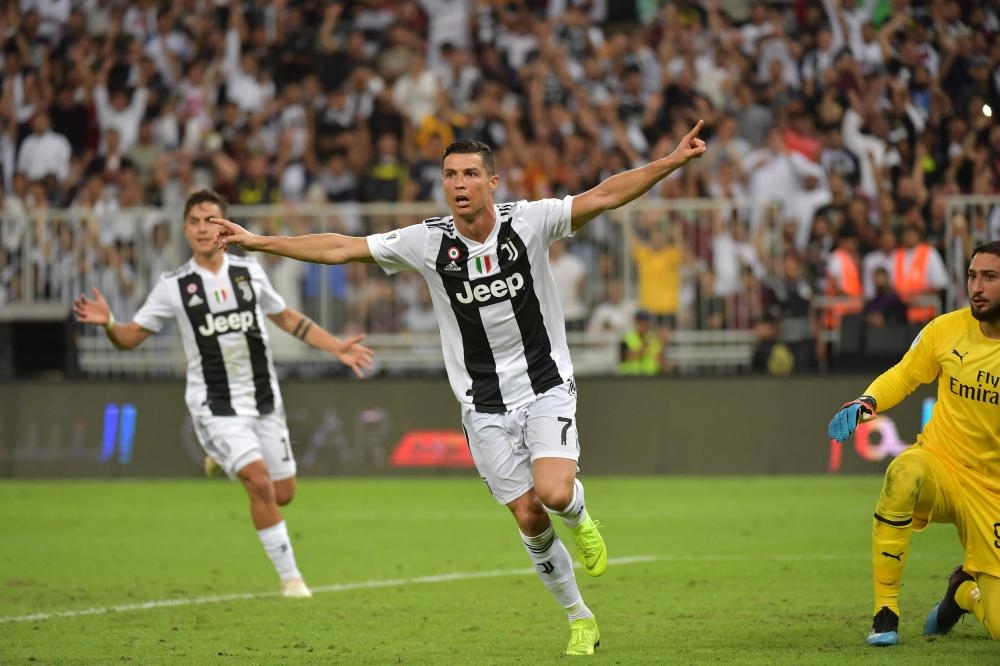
854	121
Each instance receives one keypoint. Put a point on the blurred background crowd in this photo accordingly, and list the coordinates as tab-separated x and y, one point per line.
838	131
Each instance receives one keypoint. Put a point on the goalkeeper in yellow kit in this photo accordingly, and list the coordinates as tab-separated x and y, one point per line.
952	473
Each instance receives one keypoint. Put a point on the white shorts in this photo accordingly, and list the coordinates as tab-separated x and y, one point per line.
234	442
504	445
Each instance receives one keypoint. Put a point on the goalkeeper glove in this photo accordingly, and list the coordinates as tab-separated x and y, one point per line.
846	420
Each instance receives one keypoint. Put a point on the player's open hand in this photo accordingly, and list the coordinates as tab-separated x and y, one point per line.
356	356
690	146
92	310
231	233
845	421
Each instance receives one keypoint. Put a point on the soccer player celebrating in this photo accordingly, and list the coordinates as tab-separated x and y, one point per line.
952	473
504	341
232	389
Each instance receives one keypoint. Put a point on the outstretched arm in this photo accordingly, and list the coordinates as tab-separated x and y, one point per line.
95	310
348	351
315	248
623	187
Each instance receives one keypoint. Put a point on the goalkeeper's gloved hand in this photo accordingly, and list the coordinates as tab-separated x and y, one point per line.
846	420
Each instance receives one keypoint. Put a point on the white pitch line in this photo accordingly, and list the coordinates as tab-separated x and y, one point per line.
336	587
396	582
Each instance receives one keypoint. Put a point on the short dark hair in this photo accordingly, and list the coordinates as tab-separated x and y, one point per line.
472	146
204	196
990	247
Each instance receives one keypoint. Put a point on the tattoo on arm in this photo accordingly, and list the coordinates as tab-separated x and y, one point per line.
302	328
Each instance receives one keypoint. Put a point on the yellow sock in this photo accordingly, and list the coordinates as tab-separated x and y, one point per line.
982	599
890	547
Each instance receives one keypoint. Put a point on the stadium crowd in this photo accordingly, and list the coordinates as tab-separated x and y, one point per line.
853	120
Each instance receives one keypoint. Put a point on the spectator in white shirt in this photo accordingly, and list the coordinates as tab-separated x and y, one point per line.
615	313
416	91
872	150
880	257
244	83
116	111
52	15
569	272
457	76
448	22
44	152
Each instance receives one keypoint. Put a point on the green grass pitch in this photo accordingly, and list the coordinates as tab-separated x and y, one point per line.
430	571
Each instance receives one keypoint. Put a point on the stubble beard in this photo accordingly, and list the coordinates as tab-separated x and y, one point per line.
990	315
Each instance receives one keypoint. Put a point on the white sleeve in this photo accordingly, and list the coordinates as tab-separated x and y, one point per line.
231	58
551	218
851	128
937	274
833	267
137	108
66	151
270	301
400	248
27	148
101	103
158	308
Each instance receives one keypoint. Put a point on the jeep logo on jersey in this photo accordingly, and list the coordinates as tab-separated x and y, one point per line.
234	322
487	293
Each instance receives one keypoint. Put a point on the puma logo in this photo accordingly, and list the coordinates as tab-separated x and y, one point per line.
961	357
898	558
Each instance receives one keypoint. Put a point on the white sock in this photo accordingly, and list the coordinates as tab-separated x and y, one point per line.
578	611
575	512
555	568
278	547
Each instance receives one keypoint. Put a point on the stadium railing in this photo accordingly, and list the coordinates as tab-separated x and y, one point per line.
53	255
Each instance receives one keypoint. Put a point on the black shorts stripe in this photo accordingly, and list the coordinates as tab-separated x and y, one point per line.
263	392
213	368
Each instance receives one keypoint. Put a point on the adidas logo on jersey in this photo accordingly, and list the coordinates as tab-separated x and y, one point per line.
234	322
491	292
452	266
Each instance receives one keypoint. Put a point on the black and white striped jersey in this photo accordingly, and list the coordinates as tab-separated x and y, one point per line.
502	326
230	370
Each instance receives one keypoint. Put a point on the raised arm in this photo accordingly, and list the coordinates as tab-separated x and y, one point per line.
348	351
315	248
621	188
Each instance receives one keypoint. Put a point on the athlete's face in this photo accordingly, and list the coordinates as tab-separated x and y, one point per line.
468	187
984	287
200	233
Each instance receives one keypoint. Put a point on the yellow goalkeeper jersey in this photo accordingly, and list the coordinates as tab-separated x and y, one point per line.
965	424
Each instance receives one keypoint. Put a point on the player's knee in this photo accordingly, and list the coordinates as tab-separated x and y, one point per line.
259	486
531	517
904	479
284	491
557	498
